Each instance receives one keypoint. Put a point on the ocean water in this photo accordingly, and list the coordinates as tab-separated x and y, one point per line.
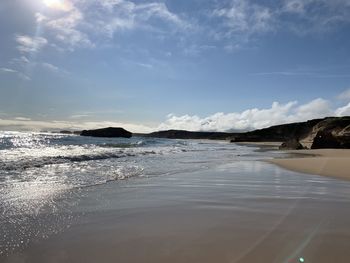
35	168
47	162
39	172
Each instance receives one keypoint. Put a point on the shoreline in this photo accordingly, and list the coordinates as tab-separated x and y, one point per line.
239	212
325	162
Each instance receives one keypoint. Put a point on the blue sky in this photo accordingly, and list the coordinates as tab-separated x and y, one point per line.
150	65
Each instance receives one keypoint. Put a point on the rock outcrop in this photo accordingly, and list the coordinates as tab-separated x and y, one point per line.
107	132
292	144
278	133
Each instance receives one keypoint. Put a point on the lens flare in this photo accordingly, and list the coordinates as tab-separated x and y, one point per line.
63	5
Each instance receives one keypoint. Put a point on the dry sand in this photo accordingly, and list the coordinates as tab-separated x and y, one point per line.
326	162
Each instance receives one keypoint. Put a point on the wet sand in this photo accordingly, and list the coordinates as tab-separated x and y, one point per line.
326	162
246	211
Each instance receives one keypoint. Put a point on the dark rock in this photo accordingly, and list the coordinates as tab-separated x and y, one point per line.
278	133
107	132
325	139
292	144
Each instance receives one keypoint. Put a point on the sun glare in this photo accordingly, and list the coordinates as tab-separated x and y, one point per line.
63	5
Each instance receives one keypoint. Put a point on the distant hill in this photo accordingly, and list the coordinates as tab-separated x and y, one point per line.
181	134
110	132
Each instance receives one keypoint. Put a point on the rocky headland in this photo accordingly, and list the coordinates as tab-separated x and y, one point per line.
330	132
109	132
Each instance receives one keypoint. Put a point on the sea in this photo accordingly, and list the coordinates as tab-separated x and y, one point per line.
39	172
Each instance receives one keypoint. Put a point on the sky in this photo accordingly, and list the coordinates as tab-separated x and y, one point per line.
147	65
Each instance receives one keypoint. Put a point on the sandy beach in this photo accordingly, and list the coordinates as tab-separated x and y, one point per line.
325	162
245	211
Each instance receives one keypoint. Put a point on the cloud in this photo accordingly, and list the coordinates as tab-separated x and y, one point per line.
21	64
240	21
88	23
22	119
21	61
8	70
144	65
295	6
126	15
16	72
65	28
254	118
343	111
317	108
160	10
72	24
250	119
296	73
27	44
315	15
50	67
62	5
25	124
241	16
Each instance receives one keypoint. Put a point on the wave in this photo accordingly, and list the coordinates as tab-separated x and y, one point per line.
21	164
123	145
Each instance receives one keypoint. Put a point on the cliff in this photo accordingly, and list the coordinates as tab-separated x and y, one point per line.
331	132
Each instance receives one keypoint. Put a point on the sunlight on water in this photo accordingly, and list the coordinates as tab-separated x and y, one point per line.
39	170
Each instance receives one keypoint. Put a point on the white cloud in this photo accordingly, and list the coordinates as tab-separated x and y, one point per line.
126	15
65	28
252	118
243	17
86	21
343	111
87	24
16	72
27	44
144	65
22	119
21	61
295	6
316	15
50	67
8	70
149	10
242	20
317	108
